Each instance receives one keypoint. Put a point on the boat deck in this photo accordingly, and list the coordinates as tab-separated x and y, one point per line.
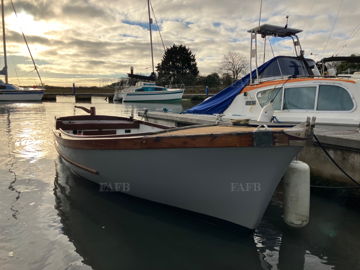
204	130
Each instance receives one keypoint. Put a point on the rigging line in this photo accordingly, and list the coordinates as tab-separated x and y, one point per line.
17	76
352	35
260	12
334	24
162	41
27	45
277	60
272	50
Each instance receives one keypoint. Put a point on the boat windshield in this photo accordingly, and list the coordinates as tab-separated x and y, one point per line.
150	88
9	86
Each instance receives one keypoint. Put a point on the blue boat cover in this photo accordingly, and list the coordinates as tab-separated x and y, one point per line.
277	66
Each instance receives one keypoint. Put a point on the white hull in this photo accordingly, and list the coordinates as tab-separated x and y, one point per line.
240	107
234	184
175	94
22	96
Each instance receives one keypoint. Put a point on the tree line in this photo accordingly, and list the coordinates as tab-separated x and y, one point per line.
178	66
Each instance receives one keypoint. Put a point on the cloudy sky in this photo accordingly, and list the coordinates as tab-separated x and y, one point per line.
94	42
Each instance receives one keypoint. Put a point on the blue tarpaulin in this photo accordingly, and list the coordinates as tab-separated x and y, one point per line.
277	66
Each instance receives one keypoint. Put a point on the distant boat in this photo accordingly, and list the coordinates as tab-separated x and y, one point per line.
146	91
10	92
226	171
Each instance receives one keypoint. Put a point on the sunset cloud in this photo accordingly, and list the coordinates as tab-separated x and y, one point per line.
85	41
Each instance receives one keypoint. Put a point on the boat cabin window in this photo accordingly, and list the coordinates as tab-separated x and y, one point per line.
274	95
299	98
334	98
149	88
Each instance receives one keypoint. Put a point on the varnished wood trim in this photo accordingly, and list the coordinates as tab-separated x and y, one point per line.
96	126
104	117
147	142
280	139
83	167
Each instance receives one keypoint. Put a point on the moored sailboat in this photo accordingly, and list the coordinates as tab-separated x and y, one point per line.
148	91
10	92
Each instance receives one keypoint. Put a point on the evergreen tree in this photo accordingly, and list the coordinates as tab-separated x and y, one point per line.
178	66
348	67
212	80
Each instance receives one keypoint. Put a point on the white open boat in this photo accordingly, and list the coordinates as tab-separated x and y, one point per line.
225	171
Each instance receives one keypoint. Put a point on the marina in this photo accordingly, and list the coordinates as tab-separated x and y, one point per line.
343	143
215	154
44	205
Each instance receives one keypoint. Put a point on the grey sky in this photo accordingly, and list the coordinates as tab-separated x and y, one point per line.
88	41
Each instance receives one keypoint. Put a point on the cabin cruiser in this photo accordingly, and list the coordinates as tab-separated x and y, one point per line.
148	91
292	88
208	169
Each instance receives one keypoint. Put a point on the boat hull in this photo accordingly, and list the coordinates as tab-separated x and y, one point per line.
153	96
21	95
231	183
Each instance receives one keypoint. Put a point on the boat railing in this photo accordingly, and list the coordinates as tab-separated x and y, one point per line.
180	86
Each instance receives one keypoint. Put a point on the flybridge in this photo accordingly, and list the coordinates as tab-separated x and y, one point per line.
274	30
266	30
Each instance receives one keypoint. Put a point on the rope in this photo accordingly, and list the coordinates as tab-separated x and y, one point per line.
260	12
27	45
353	33
338	166
333	26
162	41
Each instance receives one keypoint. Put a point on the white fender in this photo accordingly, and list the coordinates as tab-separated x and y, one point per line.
297	194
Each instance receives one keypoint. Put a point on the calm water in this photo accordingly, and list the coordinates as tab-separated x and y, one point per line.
51	219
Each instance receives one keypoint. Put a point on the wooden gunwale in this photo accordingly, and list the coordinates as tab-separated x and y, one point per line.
105	117
232	139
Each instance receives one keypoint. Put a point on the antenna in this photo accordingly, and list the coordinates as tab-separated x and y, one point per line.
287	21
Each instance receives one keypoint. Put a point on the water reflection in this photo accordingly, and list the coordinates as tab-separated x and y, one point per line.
98	99
10	164
175	107
141	234
65	99
26	137
326	243
113	231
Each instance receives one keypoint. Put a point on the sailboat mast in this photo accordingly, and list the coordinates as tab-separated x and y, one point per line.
4	40
151	42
